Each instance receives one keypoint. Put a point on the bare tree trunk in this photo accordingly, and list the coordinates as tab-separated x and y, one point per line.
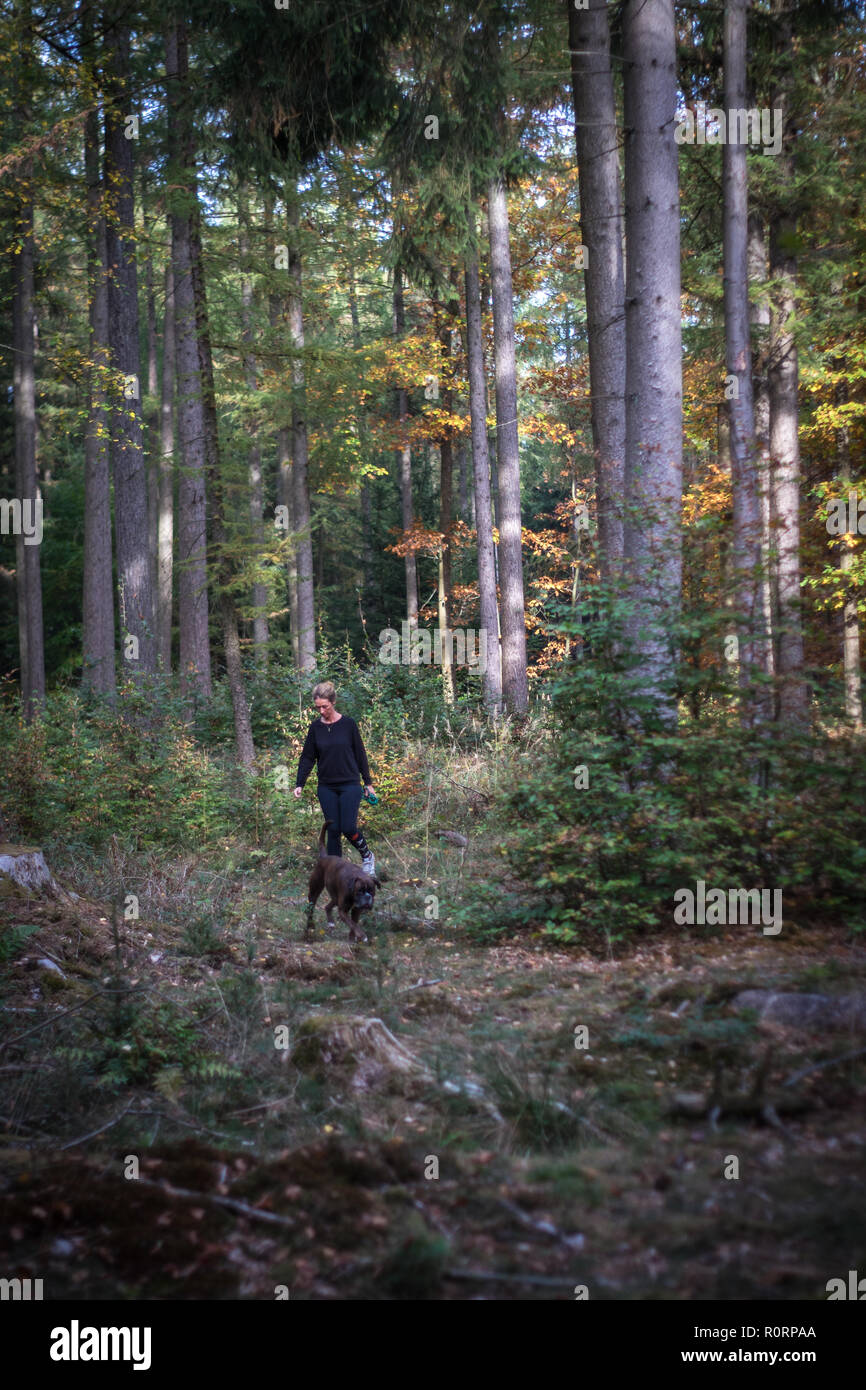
759	314
165	520
300	478
286	497
134	572
738	356
484	287
244	746
277	310
228	613
784	411
257	517
653	461
446	489
850	614
515	685
29	536
601	226
467	510
492	673
151	415
192	423
404	458
98	673
366	498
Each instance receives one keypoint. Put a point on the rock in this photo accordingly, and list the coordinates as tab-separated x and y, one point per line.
688	1103
836	1013
45	964
453	837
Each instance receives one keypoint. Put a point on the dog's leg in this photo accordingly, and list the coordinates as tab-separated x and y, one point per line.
317	883
356	931
329	912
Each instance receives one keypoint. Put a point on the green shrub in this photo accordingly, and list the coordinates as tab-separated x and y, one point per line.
663	807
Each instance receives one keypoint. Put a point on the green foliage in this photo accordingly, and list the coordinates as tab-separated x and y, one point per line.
540	1121
414	1268
663	808
13	939
199	936
132	769
132	1038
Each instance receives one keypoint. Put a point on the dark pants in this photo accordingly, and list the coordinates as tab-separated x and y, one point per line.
339	802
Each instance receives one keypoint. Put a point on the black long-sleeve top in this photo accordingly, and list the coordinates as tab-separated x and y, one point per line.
339	751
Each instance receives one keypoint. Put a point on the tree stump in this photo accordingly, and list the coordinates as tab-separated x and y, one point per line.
25	866
808	1012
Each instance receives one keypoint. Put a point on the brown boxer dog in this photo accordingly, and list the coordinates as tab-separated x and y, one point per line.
349	889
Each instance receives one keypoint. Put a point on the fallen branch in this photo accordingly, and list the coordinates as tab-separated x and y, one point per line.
543	1228
818	1066
484	1276
230	1203
73	1143
46	1023
187	1124
470	791
266	1105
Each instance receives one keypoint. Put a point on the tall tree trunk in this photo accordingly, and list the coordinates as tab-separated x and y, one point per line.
300	475
165	502
404	460
366	497
277	304
515	685
277	315
784	409
484	287
467	510
601	225
850	613
192	407
152	432
446	489
759	316
134	571
653	457
286	497
29	537
244	747
257	516
738	358
98	672
489	606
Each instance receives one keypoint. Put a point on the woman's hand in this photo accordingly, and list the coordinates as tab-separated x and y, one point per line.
369	791
298	791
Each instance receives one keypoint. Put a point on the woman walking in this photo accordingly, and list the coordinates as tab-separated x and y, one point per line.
334	742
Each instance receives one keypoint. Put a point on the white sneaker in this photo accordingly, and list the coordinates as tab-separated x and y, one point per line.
368	864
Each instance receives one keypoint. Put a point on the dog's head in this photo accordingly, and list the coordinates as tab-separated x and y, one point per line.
365	892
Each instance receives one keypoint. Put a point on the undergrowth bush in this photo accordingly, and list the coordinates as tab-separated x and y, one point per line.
624	813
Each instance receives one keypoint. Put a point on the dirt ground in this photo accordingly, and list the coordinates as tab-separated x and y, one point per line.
250	1114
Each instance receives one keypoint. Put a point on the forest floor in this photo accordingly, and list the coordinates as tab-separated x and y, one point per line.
199	1112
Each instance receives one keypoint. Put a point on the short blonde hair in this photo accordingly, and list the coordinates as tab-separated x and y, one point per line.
325	691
